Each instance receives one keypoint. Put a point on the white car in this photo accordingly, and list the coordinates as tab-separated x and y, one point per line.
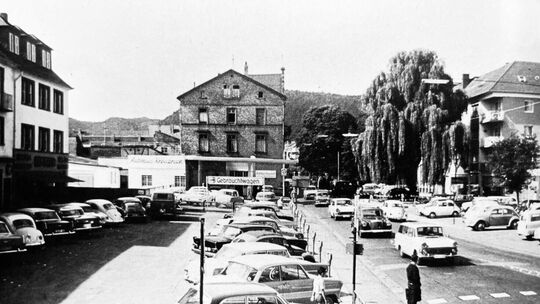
23	225
310	190
477	200
196	195
529	221
266	197
226	198
107	208
478	207
439	208
426	240
341	207
394	210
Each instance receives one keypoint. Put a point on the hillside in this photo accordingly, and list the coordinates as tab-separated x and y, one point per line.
113	125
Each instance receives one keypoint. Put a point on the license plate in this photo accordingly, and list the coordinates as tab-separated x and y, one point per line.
439	256
88	225
58	231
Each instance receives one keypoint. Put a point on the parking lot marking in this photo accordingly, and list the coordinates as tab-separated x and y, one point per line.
500	295
528	293
437	301
469	298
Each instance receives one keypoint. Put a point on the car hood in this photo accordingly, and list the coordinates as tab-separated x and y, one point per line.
32	232
216	239
440	241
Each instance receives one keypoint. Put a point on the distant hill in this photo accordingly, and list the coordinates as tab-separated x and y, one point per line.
113	125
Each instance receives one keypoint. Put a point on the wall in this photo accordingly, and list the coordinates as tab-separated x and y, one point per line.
94	176
6	150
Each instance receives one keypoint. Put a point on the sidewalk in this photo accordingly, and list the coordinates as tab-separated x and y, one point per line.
372	286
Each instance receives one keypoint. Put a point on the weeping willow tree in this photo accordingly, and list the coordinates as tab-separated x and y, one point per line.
411	123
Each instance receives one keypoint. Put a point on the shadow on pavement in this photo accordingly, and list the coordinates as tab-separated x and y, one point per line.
457	261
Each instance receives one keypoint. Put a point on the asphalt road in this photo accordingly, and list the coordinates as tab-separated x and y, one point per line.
480	274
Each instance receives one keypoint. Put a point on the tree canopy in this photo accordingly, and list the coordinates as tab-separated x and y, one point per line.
411	123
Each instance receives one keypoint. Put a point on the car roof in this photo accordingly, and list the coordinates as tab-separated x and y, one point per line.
65	206
98	201
128	198
78	204
251	219
254	246
15	215
262	260
418	225
35	209
220	290
260	205
255	234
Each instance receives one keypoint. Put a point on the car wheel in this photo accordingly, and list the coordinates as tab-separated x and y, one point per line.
480	226
329	300
432	215
455	214
514	225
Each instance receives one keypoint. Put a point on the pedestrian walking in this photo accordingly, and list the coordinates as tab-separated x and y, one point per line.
317	295
413	292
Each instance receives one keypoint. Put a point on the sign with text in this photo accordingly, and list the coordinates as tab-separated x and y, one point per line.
265	173
235	180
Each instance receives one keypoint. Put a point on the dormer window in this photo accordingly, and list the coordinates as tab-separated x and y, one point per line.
226	91
31	51
14	43
236	91
260	94
46	59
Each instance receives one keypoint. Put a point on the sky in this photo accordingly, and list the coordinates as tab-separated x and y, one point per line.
133	58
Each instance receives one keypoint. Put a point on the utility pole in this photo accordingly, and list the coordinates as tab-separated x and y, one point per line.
354	264
201	273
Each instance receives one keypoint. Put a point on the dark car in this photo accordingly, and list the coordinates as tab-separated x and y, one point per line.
131	209
163	204
344	189
400	194
269	237
48	221
370	220
9	242
213	243
76	216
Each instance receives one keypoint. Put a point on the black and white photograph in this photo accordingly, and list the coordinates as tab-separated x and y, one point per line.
269	152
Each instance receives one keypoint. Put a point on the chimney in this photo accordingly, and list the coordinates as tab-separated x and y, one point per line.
466	80
282	80
245	68
4	16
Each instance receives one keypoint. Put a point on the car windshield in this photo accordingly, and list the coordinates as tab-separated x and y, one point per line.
231	193
46	215
429	231
398	205
163	196
71	212
23	223
343	203
3	229
108	206
133	207
231	232
227	253
88	209
240	270
371	213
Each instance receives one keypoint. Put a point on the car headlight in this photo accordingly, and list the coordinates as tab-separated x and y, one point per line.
364	224
299	235
337	210
424	245
455	244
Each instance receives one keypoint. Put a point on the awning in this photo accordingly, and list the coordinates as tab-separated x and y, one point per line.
46	177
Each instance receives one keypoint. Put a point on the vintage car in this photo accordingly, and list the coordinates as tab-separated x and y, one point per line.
528	205
107	208
426	240
79	220
233	292
197	195
480	201
285	275
445	207
370	220
492	216
269	237
311	189
227	198
163	204
266	197
394	210
23	225
340	208
213	243
322	198
91	211
370	188
48	221
215	264
146	200
10	242
131	209
283	201
293	236
265	213
529	221
262	206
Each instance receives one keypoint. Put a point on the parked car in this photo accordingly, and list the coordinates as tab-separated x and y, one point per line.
215	264
528	223
76	216
370	188
270	237
146	200
505	200
261	206
311	189
399	193
266	197
266	213
476	201
340	208
23	225
267	188
197	195
233	292
107	208
528	205
322	198
91	211
370	220
131	209
427	241
9	241
286	275
480	206
492	216
227	198
283	201
394	210
48	221
164	204
460	199
437	208
293	236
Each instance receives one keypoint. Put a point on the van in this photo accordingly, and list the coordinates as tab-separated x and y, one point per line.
164	204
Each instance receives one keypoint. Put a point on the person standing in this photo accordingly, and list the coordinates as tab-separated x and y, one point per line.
413	291
317	295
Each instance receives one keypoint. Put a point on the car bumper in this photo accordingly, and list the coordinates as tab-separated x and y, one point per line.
376	231
343	214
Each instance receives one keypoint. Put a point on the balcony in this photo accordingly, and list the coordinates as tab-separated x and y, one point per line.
489	141
6	102
492	116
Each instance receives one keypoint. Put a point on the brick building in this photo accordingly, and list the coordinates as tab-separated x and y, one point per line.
235	123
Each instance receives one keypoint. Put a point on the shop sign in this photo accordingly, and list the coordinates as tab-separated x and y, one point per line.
234	180
265	173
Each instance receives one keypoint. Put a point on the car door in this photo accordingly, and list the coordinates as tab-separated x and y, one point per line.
496	217
451	208
271	276
300	284
506	215
442	209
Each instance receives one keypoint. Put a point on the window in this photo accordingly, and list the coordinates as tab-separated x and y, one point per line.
203	115
236	91
231	116
180	181
260	94
146	180
232	143
46	59
260	117
226	91
270	274
31	51
58	106
58	141
527	131
292	272
204	144
27	96
528	106
2	130
44	135
203	94
27	137
44	102
14	43
260	143
494	131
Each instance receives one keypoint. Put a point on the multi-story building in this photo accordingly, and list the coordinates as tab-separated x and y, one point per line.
502	102
234	123
34	137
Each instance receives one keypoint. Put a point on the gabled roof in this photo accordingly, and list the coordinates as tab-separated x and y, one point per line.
283	97
515	77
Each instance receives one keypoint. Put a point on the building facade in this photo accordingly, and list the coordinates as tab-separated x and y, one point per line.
234	117
503	102
90	174
37	129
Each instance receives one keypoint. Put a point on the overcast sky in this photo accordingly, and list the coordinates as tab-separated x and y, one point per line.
132	58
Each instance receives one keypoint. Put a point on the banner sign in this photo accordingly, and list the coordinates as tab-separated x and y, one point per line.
265	173
234	180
